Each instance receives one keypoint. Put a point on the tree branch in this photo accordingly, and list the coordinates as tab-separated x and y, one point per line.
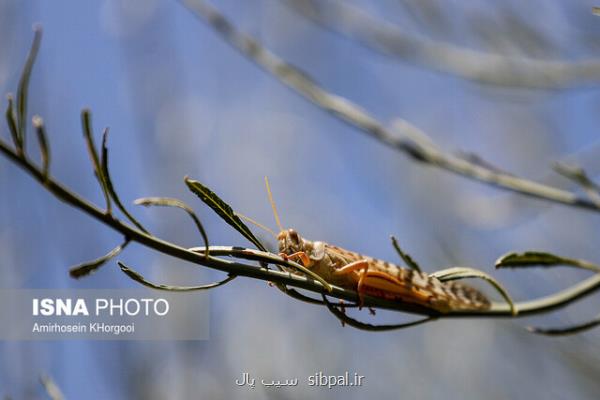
488	68
407	143
214	261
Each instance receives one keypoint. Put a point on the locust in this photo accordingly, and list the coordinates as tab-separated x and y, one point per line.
374	277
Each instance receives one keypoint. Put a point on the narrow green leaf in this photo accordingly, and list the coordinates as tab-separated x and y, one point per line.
111	189
463	273
566	330
405	257
136	276
23	88
538	258
12	123
223	210
87	268
38	124
86	124
516	260
170	202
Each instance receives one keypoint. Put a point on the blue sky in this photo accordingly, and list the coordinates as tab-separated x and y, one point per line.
179	101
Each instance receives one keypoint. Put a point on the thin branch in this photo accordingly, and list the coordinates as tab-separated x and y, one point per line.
345	319
354	115
579	176
307	299
488	68
540	259
196	256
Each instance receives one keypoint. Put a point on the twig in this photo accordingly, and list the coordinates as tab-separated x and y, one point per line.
196	256
540	259
488	68
351	113
344	319
579	176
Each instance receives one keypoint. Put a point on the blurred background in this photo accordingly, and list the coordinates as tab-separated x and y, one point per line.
180	101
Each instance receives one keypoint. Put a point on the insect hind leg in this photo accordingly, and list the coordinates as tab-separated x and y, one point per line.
362	268
304	258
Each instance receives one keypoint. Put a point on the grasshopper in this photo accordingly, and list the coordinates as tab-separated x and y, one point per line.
370	276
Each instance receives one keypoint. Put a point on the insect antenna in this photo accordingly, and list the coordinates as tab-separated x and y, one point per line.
261	226
277	221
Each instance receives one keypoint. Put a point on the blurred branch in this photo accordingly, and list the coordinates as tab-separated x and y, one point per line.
579	176
488	68
52	389
411	140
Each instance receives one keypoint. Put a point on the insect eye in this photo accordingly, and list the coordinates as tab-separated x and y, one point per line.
294	236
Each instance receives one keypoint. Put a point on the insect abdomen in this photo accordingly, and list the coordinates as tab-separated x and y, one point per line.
418	287
464	297
389	281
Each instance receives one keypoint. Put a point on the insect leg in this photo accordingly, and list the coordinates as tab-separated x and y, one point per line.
301	255
353	266
363	267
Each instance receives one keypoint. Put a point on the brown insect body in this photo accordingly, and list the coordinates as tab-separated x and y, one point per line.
379	278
